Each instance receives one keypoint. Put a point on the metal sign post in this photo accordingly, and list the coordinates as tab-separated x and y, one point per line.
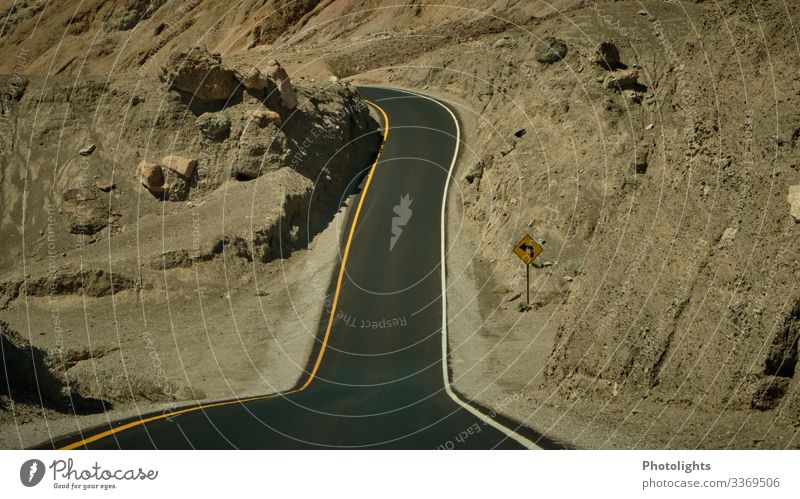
527	250
528	285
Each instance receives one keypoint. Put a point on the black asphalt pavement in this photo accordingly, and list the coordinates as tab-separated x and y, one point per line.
380	381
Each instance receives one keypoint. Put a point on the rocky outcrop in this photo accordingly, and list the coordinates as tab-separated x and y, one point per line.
200	74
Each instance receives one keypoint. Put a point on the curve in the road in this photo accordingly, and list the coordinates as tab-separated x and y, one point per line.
377	387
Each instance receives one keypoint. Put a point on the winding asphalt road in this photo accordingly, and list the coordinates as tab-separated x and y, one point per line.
378	387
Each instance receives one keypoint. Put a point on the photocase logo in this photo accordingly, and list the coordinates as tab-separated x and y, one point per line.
31	472
402	213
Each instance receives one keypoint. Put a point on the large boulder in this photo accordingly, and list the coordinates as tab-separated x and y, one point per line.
794	202
87	212
200	73
277	73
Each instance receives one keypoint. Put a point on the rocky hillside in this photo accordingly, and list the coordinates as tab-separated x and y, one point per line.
84	160
139	197
652	146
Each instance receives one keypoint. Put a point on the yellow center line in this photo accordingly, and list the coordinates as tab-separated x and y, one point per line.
314	370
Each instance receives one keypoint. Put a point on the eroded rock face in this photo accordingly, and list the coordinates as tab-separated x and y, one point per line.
87	213
201	74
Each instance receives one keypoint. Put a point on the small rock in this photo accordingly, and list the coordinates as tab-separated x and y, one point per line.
88	150
642	12
623	79
180	165
151	176
568	278
649	127
15	88
213	124
640	161
506	41
633	96
550	50
475	173
728	236
265	117
104	184
333	78
607	55
794	201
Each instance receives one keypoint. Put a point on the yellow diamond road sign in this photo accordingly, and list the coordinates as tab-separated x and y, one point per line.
527	249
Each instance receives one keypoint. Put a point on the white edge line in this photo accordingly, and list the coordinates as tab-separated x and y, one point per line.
445	373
